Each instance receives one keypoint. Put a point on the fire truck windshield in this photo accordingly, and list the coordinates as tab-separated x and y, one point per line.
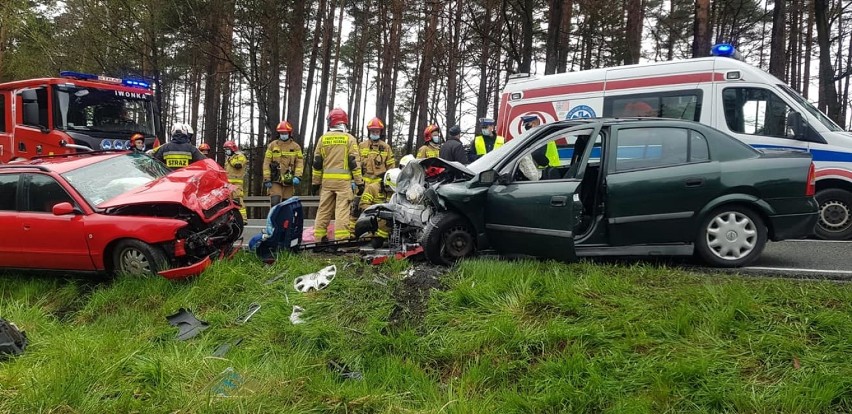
103	110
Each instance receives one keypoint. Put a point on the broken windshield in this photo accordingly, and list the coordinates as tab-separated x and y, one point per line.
103	110
102	181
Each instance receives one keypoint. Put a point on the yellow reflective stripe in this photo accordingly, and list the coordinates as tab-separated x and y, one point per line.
366	198
381	233
327	176
320	233
235	180
341	234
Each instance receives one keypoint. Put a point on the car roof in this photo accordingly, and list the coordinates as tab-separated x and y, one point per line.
619	121
62	163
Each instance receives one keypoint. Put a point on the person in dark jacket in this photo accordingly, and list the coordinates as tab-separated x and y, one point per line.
453	149
179	152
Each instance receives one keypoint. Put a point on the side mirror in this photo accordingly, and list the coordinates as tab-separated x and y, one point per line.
488	177
63	209
797	124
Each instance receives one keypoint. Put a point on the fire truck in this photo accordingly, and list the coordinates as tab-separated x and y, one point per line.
74	112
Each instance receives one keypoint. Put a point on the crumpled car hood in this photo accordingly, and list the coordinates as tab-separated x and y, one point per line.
198	187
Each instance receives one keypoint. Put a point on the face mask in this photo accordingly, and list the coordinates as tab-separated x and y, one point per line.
228	152
374	137
486	132
284	137
436	139
140	146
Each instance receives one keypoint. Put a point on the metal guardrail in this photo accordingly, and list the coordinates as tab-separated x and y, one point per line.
258	206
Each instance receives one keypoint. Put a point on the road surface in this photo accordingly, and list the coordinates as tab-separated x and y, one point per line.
794	258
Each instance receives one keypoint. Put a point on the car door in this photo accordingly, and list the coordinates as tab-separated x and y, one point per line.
10	253
49	241
538	217
659	179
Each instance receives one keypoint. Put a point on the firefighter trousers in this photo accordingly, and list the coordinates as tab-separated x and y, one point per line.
284	191
336	201
238	197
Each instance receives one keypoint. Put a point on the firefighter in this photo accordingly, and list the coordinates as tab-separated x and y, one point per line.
378	193
205	149
137	142
283	164
486	142
432	146
552	153
236	165
376	154
337	171
178	152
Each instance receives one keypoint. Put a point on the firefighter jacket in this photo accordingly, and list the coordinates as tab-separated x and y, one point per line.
236	166
374	193
376	158
428	151
283	161
178	152
336	159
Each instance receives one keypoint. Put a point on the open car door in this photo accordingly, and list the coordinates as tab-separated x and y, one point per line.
533	207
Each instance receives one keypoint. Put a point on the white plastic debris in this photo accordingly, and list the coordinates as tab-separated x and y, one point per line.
296	315
316	281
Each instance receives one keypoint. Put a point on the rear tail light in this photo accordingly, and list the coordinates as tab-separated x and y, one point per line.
811	190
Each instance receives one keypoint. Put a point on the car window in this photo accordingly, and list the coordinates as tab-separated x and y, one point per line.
43	192
676	104
34	107
757	111
9	192
698	149
104	180
656	147
557	157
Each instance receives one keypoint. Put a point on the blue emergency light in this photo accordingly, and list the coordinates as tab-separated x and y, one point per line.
724	50
135	83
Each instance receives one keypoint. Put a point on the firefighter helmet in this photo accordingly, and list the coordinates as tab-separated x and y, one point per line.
204	147
136	137
405	160
375	123
231	145
336	117
181	128
391	177
284	127
427	133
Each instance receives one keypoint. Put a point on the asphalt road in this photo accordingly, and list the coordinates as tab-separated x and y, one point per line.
795	258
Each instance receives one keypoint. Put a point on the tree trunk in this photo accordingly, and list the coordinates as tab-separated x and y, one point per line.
633	34
391	120
425	75
336	62
778	56
312	65
453	65
828	92
295	67
564	44
482	95
527	36
196	93
328	30
212	83
809	41
702	29
554	27
273	100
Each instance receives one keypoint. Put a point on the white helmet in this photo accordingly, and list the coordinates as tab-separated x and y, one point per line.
405	160
390	178
181	128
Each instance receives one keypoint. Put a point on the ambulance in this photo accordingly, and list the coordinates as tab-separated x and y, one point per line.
721	91
74	112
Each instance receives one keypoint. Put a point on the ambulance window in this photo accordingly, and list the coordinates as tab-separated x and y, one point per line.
641	148
8	192
35	107
2	112
756	111
677	105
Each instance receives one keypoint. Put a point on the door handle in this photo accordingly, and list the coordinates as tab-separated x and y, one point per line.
694	182
559	201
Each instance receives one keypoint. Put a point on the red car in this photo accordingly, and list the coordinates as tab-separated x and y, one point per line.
115	212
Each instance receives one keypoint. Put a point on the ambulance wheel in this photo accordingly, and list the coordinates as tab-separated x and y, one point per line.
137	258
447	239
835	214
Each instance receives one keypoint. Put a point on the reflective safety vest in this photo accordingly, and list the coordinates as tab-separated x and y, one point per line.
552	154
479	144
334	151
428	151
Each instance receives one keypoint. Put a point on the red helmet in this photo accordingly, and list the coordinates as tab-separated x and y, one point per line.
231	145
375	123
427	133
135	137
283	126
204	147
336	117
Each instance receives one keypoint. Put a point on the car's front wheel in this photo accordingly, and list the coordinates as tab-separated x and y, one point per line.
447	239
731	236
835	214
135	257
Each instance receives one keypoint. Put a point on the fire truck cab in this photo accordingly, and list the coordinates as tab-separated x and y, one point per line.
74	112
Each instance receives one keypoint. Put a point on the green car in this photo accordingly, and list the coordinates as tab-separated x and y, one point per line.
609	187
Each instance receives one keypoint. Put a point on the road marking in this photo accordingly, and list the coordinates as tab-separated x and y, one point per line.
820	241
793	269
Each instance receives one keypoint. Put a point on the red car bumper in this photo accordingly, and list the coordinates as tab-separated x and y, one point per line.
186	271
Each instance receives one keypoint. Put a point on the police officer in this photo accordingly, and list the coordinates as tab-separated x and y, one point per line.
552	153
432	142
178	152
376	154
487	141
236	165
283	165
337	171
